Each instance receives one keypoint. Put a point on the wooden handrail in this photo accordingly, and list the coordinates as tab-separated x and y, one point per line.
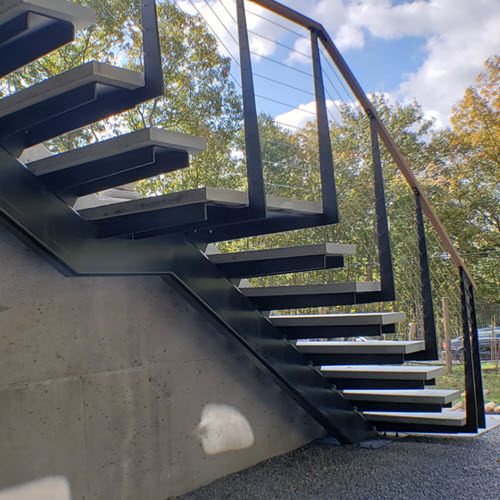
333	52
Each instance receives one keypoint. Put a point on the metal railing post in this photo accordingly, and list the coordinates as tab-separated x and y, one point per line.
153	72
470	386
475	354
430	336
328	190
384	242
255	175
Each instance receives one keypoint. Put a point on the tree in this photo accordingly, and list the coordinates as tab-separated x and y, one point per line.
468	184
109	41
199	97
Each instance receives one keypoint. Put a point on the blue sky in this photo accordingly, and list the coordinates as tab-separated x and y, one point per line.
382	64
428	50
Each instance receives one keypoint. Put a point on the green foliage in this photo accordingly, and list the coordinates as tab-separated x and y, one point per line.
459	167
464	181
199	100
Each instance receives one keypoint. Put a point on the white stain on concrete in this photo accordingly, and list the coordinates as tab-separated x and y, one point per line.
48	488
223	428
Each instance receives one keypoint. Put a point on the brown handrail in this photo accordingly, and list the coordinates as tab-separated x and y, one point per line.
356	89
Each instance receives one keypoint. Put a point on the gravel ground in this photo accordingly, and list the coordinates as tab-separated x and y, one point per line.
410	467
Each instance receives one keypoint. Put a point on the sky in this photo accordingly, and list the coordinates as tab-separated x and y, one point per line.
427	50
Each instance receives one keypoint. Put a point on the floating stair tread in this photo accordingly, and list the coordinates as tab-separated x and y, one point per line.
446	418
207	195
384	372
125	143
92	72
420	396
81	17
330	249
353	347
303	320
318	289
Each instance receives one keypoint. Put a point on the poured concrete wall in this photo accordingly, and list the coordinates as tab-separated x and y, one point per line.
122	388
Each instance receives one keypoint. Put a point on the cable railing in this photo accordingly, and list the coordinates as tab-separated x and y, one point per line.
396	221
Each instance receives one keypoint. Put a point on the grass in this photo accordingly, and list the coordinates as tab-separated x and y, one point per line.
491	381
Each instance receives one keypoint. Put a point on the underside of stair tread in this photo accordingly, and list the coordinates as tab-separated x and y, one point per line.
208	195
317	289
386	372
370	347
435	396
118	145
121	160
33	29
81	17
355	319
92	72
445	418
274	261
333	249
186	211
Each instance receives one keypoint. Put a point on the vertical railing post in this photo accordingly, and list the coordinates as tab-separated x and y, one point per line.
476	357
430	336
255	175
153	72
470	386
384	243
328	190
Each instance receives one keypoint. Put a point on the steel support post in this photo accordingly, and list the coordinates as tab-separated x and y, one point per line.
430	336
384	242
328	190
255	174
153	72
476	358
470	386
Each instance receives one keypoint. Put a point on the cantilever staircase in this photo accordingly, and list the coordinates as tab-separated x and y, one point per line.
352	388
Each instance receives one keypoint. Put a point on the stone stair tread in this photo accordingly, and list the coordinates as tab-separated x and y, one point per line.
386	372
353	347
125	143
333	249
206	195
422	396
91	72
81	17
384	318
445	418
316	289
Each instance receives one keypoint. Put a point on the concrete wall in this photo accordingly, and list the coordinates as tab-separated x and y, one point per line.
120	386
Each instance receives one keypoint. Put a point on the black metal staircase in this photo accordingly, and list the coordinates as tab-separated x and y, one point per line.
349	387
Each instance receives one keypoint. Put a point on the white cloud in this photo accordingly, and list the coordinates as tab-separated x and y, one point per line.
306	112
455	56
459	36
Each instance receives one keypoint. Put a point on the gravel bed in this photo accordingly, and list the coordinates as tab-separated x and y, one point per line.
410	467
